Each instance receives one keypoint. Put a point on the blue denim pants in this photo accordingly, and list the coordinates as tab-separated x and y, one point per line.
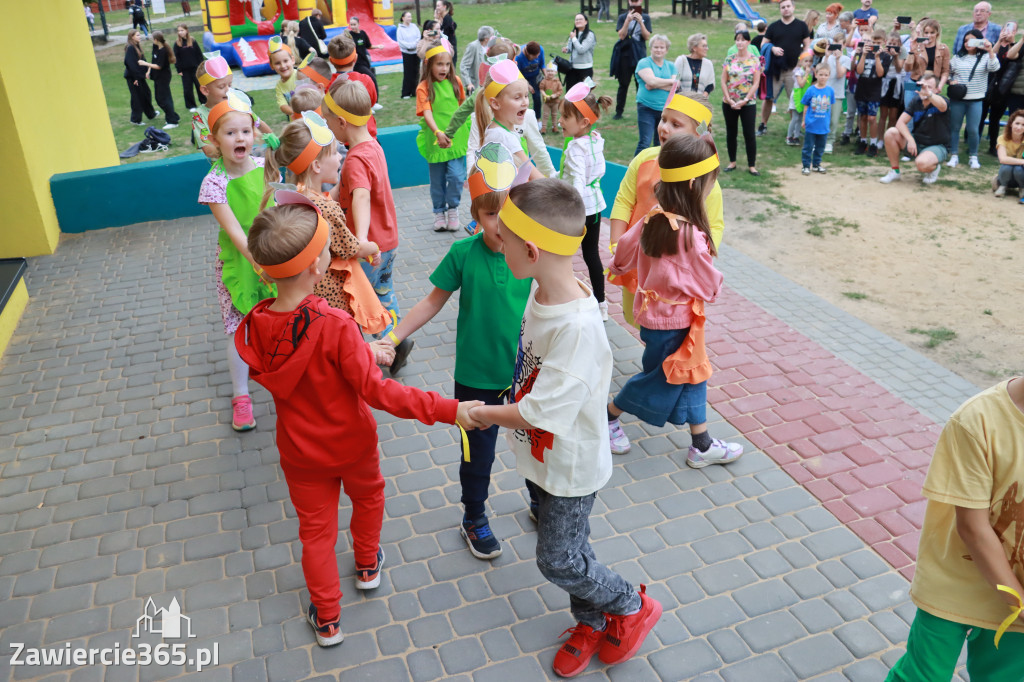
1011	176
814	147
446	180
647	121
565	558
380	277
958	111
475	475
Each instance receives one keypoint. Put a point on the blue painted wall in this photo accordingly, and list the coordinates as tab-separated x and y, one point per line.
168	189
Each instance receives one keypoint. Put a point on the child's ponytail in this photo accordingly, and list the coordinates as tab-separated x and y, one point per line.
482	109
294	139
271	173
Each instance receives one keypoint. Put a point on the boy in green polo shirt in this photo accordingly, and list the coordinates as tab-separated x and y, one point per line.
491	309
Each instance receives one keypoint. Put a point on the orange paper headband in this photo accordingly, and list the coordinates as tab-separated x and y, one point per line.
311	252
341	113
477	186
344	61
320	136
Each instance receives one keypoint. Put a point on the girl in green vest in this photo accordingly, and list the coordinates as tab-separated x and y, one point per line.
438	95
233	190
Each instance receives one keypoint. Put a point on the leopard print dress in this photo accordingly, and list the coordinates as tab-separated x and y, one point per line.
344	245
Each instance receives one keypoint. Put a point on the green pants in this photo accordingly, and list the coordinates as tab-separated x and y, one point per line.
934	645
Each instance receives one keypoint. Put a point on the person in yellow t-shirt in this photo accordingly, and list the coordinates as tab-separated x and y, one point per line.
972	541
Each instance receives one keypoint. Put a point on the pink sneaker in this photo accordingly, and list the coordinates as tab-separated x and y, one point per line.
241	414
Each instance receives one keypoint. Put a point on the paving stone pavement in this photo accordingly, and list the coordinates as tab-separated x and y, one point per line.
122	481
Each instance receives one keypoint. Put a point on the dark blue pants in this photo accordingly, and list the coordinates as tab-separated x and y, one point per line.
475	475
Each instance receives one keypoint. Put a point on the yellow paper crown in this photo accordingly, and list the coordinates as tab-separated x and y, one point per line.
341	113
694	170
692	108
529	230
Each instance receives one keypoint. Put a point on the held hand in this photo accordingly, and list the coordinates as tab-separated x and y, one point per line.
442	140
383	352
777	51
464	415
470	88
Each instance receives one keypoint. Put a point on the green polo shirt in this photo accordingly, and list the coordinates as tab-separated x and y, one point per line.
491	307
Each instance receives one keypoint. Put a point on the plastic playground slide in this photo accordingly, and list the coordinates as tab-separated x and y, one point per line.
744	12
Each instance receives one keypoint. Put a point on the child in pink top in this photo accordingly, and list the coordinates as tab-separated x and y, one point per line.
672	251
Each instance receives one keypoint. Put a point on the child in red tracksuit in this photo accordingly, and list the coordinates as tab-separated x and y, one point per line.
324	379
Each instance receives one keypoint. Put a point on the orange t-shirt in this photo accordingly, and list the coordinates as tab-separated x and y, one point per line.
423	103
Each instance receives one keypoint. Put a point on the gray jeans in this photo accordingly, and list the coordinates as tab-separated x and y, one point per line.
565	558
1011	176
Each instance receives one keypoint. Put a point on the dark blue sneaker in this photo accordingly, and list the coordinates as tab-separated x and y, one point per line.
328	634
368	577
480	539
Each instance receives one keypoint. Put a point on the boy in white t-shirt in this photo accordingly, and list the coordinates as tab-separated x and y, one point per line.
558	424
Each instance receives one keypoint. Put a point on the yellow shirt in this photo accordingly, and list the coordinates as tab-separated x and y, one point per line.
626	198
283	89
978	464
1013	149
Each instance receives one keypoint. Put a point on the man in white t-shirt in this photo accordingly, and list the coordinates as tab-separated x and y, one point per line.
558	425
838	64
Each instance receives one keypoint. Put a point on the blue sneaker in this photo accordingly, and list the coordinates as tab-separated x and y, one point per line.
368	577
328	634
480	539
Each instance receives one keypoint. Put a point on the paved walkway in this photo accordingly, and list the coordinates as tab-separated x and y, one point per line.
121	480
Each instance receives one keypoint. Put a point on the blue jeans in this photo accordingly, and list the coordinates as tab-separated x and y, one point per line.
910	89
1011	176
971	110
381	280
814	147
565	558
647	121
475	475
446	180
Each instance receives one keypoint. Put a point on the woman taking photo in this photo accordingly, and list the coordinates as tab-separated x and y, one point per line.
444	13
695	72
188	55
657	76
969	69
580	48
741	75
160	73
135	68
408	35
927	55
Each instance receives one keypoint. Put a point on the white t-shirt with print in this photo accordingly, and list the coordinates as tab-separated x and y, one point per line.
562	377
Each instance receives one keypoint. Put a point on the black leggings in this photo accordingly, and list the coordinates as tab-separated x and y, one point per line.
410	73
748	117
191	88
577	76
591	255
164	100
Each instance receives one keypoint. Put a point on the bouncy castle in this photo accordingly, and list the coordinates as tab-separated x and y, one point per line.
239	29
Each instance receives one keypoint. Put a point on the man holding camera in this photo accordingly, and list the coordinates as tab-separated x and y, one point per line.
789	37
982	11
634	28
929	143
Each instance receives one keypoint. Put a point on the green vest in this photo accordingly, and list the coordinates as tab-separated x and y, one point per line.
444	105
244	197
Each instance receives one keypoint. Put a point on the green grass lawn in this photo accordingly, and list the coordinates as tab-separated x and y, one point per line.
549	23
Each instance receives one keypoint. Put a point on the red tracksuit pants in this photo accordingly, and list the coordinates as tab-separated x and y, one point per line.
315	498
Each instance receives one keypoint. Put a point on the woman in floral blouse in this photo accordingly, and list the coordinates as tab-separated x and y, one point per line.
741	74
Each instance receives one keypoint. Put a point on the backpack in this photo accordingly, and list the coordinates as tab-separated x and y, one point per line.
156	141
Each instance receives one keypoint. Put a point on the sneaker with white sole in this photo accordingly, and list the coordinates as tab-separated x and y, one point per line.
954	161
973	163
720	452
828	148
241	414
478	535
603	306
891	176
930	178
440	222
453	219
329	634
618	438
368	578
1001	191
904	158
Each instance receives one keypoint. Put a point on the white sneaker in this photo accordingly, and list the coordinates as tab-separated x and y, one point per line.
1001	191
891	176
603	305
720	452
930	178
904	158
170	125
377	107
193	110
954	161
618	438
973	163
828	148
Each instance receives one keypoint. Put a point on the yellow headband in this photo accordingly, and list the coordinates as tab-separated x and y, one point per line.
528	229
695	110
694	170
501	70
437	49
341	113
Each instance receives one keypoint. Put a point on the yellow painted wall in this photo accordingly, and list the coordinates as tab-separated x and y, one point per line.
54	120
12	313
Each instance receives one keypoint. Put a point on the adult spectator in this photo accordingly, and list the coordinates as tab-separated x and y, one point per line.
789	37
657	76
407	36
741	75
830	28
970	67
475	53
1010	151
188	55
531	64
580	48
695	72
363	47
929	55
633	28
838	65
1015	93
444	13
135	73
999	90
431	32
311	29
811	18
989	31
742	27
159	72
757	40
866	12
928	144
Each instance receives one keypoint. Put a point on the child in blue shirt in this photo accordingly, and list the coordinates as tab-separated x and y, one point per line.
817	119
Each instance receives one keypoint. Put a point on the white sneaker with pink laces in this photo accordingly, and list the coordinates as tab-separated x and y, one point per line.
241	414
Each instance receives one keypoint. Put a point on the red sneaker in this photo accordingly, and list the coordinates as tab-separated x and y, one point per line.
575	654
625	634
